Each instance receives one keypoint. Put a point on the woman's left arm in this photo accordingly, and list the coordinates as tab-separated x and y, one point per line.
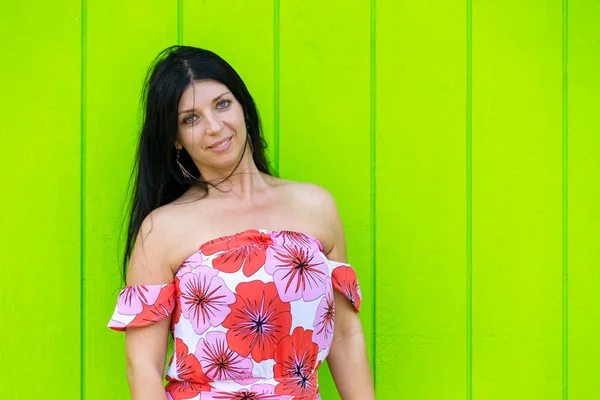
347	359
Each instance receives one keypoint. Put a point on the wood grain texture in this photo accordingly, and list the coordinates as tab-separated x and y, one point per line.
517	206
421	212
71	79
325	124
122	40
40	223
583	64
241	32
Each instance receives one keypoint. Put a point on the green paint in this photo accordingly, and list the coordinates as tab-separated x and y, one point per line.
40	224
373	182
565	206
325	124
420	335
469	200
583	194
117	59
374	100
517	207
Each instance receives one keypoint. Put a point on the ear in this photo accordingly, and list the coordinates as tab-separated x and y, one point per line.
178	145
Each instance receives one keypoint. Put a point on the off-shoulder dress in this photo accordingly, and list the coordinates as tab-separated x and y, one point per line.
252	316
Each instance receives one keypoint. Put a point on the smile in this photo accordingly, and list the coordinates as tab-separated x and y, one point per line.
223	146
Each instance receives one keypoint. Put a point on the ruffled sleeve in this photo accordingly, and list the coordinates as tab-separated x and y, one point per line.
344	279
141	305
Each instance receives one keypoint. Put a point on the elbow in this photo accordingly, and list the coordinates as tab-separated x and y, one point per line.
348	331
140	370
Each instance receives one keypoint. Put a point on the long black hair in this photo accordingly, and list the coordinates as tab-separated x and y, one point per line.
158	179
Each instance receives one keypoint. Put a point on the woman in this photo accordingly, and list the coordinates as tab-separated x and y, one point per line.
247	271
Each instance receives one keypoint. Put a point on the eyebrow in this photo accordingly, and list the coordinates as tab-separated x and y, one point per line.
215	99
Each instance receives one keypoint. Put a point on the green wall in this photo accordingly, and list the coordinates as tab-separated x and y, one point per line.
464	159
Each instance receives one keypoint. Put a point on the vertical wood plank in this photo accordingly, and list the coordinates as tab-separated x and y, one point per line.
40	224
325	124
583	200
421	203
241	32
517	207
122	40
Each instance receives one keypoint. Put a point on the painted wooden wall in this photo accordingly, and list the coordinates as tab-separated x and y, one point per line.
461	140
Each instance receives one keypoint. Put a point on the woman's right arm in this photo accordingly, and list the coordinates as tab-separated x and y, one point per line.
146	352
146	346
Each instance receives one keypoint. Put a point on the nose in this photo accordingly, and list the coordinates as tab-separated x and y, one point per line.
213	123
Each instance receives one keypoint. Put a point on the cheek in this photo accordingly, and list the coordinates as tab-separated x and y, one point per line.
189	134
238	115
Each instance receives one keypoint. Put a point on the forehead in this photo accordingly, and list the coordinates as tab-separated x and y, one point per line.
201	92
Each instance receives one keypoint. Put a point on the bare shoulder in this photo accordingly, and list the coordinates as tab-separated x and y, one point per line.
150	261
314	196
321	205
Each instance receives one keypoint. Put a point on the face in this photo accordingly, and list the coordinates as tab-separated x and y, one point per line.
211	126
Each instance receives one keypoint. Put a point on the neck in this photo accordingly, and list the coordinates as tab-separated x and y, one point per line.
245	182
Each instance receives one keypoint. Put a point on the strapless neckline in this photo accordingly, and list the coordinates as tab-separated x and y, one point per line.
263	231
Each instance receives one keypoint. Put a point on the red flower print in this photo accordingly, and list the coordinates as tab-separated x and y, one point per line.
219	362
298	272
187	366
179	390
296	359
344	279
157	311
258	320
141	305
189	380
204	298
323	325
177	309
245	249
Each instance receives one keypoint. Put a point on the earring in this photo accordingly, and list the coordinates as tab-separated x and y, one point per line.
248	136
184	172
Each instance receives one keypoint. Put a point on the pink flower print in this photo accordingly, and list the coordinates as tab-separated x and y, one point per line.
263	388
204	298
131	298
281	238
219	361
298	272
117	325
323	325
189	265
256	392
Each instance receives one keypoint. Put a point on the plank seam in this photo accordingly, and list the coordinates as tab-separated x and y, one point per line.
82	198
180	22
469	199
565	266
276	61
372	139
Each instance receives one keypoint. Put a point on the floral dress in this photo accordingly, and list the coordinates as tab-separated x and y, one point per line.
252	316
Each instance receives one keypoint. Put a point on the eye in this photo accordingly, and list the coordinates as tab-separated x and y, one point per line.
187	120
223	103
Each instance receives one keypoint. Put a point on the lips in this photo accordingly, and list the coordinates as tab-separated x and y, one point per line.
220	142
